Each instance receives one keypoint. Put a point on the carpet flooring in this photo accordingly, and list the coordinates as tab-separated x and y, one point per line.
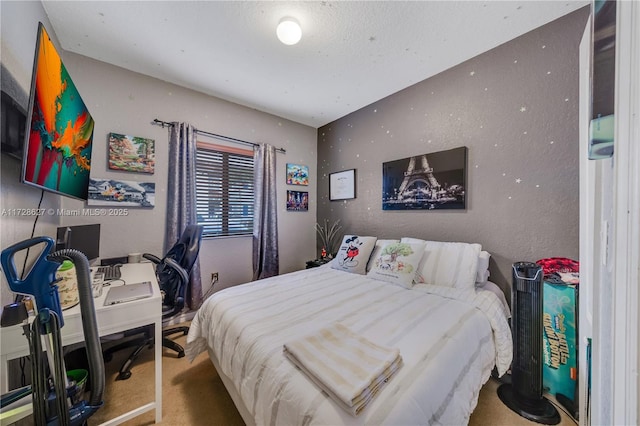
193	394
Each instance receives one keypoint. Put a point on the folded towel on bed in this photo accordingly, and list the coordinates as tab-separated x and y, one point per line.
348	367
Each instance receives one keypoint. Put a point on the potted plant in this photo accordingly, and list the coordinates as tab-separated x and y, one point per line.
328	235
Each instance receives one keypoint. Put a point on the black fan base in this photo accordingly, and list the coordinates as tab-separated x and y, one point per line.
540	411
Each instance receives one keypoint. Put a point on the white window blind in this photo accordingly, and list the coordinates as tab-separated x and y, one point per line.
224	190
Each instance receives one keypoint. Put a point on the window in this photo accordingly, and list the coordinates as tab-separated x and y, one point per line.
224	190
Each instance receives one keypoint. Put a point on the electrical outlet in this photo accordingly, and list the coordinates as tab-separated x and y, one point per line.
214	277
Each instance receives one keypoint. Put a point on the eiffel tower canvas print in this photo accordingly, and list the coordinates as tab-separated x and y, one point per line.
432	181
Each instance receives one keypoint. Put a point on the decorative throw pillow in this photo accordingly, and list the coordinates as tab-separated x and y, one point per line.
418	278
353	254
397	263
449	264
376	251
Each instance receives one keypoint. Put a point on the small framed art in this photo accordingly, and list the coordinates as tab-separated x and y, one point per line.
297	201
121	193
131	153
297	174
342	185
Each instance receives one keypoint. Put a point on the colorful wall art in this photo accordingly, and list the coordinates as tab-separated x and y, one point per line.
297	174
58	150
121	193
297	201
131	153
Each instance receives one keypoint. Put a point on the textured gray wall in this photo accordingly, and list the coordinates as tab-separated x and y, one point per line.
516	109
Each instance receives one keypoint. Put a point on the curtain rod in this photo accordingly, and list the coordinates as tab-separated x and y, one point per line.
157	122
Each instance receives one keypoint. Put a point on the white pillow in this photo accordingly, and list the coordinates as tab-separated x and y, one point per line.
492	287
397	263
448	264
376	251
353	254
482	274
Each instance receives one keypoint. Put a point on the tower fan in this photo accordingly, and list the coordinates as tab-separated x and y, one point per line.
524	394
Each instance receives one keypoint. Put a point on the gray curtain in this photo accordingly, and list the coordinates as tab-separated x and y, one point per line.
181	198
265	216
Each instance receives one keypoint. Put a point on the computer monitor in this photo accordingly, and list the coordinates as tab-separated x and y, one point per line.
84	238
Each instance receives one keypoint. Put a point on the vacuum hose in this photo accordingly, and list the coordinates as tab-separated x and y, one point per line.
89	323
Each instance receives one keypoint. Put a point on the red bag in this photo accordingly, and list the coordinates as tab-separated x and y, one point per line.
558	264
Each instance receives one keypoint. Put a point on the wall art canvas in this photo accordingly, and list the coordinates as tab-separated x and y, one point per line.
57	154
435	181
297	174
121	193
297	201
603	74
131	153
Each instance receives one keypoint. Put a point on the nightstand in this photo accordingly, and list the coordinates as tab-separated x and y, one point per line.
317	262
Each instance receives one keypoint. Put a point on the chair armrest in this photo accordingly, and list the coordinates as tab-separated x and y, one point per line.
179	269
154	259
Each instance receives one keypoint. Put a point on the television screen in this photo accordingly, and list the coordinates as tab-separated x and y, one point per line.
59	130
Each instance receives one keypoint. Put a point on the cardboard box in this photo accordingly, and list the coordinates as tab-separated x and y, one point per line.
560	336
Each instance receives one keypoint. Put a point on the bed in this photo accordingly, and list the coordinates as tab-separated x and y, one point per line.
450	340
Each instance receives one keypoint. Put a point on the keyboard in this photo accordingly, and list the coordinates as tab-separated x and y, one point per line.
111	272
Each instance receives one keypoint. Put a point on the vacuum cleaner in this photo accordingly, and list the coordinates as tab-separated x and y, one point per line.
56	399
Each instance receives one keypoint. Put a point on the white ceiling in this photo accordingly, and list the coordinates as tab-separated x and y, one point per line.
351	53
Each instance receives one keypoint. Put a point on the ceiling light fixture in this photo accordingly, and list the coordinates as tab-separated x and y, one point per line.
289	31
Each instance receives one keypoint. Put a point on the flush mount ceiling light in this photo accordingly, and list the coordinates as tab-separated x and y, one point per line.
289	31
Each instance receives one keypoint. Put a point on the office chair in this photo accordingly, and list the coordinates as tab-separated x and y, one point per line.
173	272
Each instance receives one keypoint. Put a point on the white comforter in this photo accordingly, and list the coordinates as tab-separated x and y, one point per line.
449	341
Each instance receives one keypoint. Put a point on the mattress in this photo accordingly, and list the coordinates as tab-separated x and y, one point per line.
449	340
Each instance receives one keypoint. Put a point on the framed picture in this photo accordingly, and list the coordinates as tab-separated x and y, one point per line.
297	201
131	153
342	185
435	181
121	193
59	128
297	174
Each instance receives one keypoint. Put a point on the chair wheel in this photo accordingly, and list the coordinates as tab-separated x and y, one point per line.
180	354
184	333
124	375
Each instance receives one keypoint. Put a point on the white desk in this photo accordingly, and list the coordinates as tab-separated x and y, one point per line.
111	319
